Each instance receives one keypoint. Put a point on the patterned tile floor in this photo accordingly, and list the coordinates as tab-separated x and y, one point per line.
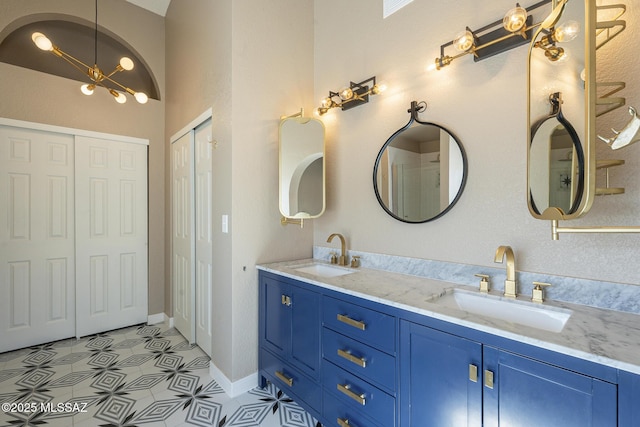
137	376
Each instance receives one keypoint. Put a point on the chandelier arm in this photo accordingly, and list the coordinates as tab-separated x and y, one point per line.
71	60
126	89
76	66
117	70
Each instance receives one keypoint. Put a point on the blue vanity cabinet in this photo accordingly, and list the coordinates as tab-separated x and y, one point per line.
289	322
530	393
359	365
440	378
447	380
628	399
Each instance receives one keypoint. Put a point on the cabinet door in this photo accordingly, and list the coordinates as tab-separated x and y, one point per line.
305	329
276	322
528	393
439	378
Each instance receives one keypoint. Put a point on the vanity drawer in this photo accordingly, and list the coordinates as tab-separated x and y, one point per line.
360	359
366	325
342	415
290	380
358	394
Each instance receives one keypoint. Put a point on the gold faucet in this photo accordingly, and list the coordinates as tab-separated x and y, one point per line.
343	250
510	282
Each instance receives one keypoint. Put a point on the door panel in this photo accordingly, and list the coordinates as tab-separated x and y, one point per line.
37	268
182	232
111	234
529	393
437	386
203	235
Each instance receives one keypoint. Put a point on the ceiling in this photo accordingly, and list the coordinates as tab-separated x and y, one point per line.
156	6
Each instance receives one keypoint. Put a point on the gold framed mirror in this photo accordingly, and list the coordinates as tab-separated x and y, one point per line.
302	168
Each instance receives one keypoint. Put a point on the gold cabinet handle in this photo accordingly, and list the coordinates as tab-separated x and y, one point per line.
349	321
285	379
344	423
488	379
286	300
346	389
353	359
473	373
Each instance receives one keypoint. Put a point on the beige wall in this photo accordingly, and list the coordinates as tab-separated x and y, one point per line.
233	57
484	104
37	97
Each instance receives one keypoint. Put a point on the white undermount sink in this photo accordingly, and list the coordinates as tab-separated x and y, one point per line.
323	270
525	313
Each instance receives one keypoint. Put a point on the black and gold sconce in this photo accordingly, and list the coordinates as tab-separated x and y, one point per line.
513	30
354	95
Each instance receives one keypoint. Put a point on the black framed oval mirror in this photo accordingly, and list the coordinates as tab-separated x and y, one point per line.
556	163
420	171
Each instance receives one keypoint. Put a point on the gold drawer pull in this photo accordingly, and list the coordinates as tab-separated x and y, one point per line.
473	373
346	389
353	359
349	321
344	423
285	379
488	379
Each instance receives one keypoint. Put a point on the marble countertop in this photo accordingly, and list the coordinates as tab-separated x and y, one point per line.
607	337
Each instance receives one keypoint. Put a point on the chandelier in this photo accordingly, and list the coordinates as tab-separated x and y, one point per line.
96	76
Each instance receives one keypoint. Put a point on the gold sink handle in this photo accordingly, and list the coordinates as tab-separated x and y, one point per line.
538	292
484	282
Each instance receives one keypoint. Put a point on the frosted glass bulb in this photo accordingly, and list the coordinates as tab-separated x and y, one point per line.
121	98
141	97
87	89
515	19
464	41
126	63
42	41
567	31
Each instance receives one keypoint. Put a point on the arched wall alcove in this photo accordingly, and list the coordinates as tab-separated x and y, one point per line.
75	36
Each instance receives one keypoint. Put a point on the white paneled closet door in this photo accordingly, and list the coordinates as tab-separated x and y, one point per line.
203	235
36	237
182	247
111	234
192	234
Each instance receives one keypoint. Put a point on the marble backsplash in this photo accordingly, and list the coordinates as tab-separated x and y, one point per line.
608	295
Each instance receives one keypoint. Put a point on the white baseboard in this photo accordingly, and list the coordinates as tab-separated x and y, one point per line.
233	389
154	319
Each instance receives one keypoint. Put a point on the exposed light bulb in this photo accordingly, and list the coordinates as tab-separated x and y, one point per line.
566	32
42	41
378	88
141	97
464	41
87	89
346	93
515	19
126	63
326	102
118	96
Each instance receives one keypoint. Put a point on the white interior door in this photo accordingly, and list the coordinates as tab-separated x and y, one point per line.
182	246
203	235
36	237
111	234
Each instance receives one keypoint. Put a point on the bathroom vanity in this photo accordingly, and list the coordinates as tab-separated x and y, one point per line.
363	347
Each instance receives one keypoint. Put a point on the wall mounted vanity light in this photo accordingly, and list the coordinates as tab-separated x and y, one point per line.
354	95
513	30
